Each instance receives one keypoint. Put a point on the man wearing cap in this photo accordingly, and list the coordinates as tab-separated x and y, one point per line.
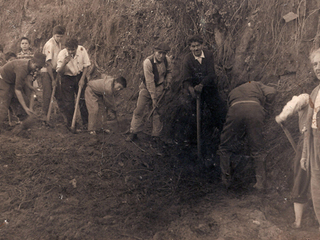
157	78
13	77
72	65
48	74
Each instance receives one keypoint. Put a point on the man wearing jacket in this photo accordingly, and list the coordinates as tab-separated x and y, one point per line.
245	117
157	78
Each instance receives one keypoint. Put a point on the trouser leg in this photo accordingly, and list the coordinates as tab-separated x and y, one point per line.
93	108
144	100
6	94
67	97
47	91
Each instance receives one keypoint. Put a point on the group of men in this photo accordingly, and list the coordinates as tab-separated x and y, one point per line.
64	70
247	104
68	68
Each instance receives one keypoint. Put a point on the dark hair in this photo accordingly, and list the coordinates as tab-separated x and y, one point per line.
195	38
9	55
59	30
72	43
122	81
25	38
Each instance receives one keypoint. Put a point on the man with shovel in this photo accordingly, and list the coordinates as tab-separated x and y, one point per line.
200	82
157	79
13	77
72	65
245	117
102	88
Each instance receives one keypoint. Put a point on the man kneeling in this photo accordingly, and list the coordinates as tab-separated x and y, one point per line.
102	88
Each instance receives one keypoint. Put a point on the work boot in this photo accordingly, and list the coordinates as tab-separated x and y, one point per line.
131	137
226	180
261	174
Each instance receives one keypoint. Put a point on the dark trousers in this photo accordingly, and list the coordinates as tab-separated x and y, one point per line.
69	88
243	120
301	178
7	98
47	90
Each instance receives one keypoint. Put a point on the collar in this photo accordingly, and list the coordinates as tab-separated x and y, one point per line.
201	56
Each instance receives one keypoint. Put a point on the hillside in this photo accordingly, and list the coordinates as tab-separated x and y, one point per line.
59	185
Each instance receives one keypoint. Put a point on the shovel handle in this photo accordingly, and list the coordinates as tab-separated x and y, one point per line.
51	102
73	124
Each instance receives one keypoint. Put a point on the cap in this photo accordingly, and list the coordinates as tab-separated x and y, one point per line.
162	47
39	59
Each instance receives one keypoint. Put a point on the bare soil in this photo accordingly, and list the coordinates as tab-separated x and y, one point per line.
60	185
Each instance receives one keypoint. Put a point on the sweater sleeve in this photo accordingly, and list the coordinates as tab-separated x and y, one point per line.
294	105
210	78
149	77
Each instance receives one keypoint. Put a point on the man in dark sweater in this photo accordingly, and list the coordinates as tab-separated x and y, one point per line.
246	114
13	77
199	78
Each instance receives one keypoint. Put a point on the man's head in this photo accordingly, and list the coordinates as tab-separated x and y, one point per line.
71	46
160	51
315	61
38	61
196	45
25	44
120	83
58	32
9	56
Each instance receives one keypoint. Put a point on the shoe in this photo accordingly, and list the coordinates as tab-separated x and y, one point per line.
106	130
131	137
295	226
226	180
93	133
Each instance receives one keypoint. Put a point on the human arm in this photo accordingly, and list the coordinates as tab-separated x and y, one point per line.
296	104
210	79
63	59
50	72
149	79
83	77
168	80
22	102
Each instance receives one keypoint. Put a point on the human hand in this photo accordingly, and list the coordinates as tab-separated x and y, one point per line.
29	112
168	86
54	83
198	88
303	163
67	59
81	82
192	92
278	119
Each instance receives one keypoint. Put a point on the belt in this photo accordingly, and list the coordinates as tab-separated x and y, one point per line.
248	101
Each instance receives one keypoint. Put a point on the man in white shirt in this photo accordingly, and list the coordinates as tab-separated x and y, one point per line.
72	65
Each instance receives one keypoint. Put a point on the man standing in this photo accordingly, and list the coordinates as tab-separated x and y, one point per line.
72	65
48	74
199	80
245	117
13	77
157	78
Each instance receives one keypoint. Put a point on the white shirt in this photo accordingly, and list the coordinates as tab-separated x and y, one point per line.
315	111
200	57
76	64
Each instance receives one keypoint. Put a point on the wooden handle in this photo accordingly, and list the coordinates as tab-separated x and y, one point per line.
73	124
51	102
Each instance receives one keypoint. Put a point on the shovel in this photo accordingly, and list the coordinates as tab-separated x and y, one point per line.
73	124
199	127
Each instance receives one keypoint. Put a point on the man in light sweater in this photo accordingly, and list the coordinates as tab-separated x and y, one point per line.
298	104
102	88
